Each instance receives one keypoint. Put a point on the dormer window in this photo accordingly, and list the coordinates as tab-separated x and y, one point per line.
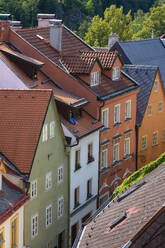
116	73
94	78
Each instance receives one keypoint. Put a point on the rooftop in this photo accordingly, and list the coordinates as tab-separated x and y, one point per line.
139	204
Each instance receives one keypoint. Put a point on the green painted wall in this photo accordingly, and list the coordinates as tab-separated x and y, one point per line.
41	166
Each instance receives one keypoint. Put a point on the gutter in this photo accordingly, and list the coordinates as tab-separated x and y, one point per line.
104	98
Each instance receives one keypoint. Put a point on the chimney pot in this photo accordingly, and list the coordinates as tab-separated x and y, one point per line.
43	19
112	39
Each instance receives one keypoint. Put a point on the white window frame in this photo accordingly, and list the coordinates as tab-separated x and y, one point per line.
60	174
144	144
127	146
48	181
45	132
94	78
156	85
60	206
149	110
115	152
52	129
106	121
128	109
48	219
155	138
117	113
104	153
160	108
116	73
34	189
34	226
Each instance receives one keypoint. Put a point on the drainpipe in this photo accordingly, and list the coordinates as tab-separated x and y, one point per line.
136	156
99	156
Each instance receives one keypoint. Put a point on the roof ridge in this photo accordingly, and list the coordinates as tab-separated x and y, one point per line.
139	40
138	66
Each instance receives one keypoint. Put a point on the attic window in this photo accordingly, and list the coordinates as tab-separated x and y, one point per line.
116	73
94	78
118	220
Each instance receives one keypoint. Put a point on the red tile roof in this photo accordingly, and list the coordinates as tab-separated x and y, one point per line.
140	203
85	125
22	114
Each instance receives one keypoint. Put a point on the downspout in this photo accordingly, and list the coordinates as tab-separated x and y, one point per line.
136	130
97	206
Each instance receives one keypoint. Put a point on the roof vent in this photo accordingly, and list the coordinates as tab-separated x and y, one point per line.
118	220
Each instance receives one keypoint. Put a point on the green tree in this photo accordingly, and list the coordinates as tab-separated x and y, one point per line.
83	28
114	21
138	20
155	23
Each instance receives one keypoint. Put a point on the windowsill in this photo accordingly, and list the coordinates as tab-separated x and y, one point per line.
127	156
128	119
116	79
116	163
144	149
90	160
89	196
77	169
76	205
117	124
104	170
94	85
154	145
104	129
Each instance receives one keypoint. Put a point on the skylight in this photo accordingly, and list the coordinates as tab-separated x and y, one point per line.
118	220
40	37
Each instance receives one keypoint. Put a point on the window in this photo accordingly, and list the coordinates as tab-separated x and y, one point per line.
89	188
116	73
164	135
33	189
128	109
2	241
156	85
14	232
60	174
52	129
160	106
116	152
76	197
117	114
144	143
149	110
48	216
45	133
90	153
34	226
126	146
77	160
105	117
103	198
86	217
155	139
104	158
94	78
60	206
48	180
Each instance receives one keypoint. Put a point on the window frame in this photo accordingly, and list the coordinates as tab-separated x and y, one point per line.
128	113
116	73
34	217
60	206
105	151
77	159
116	111
105	110
48	181
89	188
52	129
48	219
160	109
125	148
156	85
144	145
149	110
33	184
94	78
45	132
155	141
114	152
76	197
60	174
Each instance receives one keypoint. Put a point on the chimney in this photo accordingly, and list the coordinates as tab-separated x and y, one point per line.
112	39
4	27
56	34
43	19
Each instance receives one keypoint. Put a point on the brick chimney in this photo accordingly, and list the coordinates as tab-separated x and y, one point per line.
56	34
4	27
112	39
43	19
